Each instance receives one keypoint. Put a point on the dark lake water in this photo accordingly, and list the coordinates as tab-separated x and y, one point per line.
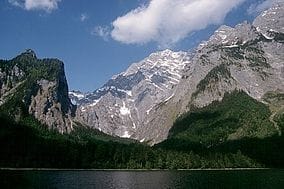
241	179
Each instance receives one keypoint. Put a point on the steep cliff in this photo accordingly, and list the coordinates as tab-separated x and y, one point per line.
38	87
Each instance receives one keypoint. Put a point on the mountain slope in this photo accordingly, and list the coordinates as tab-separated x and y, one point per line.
239	58
143	102
122	106
237	124
236	117
220	106
31	86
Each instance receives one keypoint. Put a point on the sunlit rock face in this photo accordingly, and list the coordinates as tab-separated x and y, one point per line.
125	103
144	101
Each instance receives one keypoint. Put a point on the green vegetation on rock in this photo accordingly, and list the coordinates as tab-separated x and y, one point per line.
235	117
192	143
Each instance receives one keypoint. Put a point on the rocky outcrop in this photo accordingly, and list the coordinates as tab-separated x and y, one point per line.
242	58
9	80
38	87
123	105
143	102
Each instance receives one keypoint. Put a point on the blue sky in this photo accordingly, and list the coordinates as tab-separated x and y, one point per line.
97	39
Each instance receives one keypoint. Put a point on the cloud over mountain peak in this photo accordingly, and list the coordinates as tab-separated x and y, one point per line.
167	22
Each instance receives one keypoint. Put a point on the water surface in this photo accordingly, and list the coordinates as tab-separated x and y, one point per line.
231	179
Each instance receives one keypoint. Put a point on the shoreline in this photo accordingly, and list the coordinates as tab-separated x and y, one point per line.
207	169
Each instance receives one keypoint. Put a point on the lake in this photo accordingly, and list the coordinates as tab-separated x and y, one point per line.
193	179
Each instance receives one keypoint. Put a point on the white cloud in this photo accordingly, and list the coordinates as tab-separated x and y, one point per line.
101	31
167	22
15	2
46	5
259	7
84	17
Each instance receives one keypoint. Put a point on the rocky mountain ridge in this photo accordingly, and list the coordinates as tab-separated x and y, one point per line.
247	61
143	102
123	104
38	87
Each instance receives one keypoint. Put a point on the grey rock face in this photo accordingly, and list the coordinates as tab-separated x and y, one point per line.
76	97
241	59
123	105
42	87
269	23
48	109
9	81
143	102
51	104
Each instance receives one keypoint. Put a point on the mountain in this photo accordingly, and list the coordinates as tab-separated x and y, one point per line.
76	97
237	124
124	104
143	102
241	58
220	105
37	87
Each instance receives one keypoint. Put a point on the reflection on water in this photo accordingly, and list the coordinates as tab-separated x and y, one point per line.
259	179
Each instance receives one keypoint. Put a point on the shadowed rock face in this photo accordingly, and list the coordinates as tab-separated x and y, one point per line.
270	22
39	87
143	102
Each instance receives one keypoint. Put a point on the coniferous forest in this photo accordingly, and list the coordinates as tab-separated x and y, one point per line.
203	138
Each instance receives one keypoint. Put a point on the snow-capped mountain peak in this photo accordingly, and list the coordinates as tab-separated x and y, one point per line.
143	102
121	106
76	97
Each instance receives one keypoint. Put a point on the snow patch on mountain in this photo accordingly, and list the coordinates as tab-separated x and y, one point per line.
124	110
